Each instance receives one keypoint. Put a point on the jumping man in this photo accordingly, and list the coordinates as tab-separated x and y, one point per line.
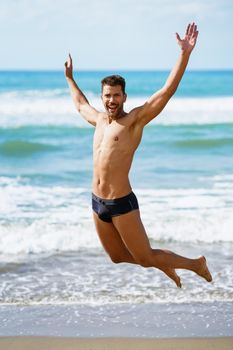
117	136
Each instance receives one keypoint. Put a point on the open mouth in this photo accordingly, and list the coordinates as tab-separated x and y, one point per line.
112	109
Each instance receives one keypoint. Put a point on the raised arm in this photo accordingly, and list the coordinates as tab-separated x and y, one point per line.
82	105
158	101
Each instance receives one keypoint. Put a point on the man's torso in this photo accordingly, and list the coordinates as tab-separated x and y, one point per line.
113	149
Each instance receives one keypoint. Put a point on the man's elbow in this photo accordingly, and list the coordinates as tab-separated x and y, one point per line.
79	106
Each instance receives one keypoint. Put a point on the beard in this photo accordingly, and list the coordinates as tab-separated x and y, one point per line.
114	110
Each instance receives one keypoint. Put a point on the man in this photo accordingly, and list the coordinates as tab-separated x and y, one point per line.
117	136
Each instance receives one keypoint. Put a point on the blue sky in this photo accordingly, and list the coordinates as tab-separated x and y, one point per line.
108	34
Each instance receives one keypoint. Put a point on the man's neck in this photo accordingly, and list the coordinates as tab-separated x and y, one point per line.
119	116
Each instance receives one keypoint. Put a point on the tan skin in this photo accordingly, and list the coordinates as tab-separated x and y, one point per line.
117	136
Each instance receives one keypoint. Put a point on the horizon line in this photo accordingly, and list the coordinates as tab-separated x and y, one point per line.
112	69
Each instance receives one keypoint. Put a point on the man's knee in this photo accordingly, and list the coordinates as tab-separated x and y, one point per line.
116	259
144	260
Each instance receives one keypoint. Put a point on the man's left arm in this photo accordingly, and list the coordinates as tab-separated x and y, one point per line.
156	103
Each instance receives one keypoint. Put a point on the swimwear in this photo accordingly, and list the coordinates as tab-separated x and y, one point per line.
107	208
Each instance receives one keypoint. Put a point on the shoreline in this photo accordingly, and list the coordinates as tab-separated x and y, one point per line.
49	343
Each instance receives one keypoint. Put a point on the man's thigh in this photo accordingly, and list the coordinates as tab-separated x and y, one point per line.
133	234
109	237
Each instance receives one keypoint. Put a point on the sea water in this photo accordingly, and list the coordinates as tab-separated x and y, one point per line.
182	175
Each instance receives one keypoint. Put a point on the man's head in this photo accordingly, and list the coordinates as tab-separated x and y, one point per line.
113	95
113	80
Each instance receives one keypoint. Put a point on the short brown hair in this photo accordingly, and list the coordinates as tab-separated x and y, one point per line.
114	80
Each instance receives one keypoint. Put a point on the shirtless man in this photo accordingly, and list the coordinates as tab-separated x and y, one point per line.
117	136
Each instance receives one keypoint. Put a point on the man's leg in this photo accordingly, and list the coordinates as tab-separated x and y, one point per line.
112	242
134	236
116	249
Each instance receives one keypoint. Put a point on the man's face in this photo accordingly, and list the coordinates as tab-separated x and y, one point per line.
113	100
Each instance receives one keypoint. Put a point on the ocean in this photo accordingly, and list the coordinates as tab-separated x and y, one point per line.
182	175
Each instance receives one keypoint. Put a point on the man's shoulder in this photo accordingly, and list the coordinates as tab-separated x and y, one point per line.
102	117
133	116
135	111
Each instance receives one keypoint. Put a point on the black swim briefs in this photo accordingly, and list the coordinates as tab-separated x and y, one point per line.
107	208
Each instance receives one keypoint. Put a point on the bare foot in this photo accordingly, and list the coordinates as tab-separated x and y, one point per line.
202	269
171	273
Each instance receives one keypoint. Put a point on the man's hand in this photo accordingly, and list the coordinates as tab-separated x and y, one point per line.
188	43
69	68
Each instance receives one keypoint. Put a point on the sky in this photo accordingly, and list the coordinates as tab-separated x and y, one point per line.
113	34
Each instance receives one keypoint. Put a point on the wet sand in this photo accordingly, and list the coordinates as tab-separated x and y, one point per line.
48	343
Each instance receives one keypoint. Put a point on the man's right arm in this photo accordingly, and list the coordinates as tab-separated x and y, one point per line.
82	105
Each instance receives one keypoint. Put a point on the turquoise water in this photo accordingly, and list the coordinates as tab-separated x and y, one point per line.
182	174
139	83
176	156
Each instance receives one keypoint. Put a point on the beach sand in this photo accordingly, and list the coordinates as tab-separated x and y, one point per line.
48	343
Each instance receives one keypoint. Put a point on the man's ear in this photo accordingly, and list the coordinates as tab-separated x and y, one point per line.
125	97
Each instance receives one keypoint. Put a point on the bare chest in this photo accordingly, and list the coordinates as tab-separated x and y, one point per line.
112	137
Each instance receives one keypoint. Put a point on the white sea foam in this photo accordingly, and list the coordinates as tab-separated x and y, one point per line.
36	219
194	110
54	107
57	222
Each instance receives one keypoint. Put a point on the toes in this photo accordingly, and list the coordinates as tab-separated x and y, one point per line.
179	285
177	280
204	271
171	273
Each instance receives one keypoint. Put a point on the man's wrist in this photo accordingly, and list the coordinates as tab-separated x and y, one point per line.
186	53
69	79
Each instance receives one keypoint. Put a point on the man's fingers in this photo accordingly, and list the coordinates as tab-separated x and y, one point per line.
68	63
70	59
195	35
178	37
195	32
187	30
193	29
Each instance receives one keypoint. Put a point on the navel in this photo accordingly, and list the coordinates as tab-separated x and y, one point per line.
116	138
